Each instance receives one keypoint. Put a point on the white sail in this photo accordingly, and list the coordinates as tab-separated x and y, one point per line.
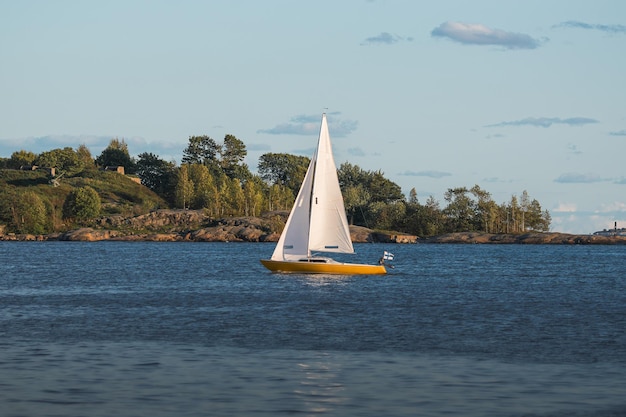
317	221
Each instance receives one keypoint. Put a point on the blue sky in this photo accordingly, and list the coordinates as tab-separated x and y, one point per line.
509	95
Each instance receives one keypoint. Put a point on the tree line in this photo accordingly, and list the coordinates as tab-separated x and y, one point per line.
213	176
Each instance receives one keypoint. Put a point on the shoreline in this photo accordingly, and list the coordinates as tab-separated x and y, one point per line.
362	235
168	225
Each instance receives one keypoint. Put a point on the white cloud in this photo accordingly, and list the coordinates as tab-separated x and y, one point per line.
384	38
577	178
546	122
617	206
477	34
592	26
565	208
431	174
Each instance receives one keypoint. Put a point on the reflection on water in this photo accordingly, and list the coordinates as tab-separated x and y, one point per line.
320	389
156	379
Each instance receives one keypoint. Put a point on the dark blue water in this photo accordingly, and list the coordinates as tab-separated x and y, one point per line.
202	329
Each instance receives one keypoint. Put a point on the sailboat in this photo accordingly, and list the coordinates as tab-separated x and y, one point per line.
317	222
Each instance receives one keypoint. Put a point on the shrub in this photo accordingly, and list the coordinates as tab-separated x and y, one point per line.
83	203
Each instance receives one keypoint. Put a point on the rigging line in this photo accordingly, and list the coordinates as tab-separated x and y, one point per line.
365	221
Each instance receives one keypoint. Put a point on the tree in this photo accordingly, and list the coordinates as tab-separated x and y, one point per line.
21	158
233	152
116	154
253	195
386	216
28	213
514	215
82	203
460	211
201	150
351	176
279	197
536	218
184	191
64	160
355	199
484	208
205	193
283	169
234	199
84	155
156	174
383	189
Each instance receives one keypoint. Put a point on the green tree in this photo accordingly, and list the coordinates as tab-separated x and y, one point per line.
484	209
64	160
460	212
21	158
434	219
387	216
283	169
28	212
350	175
184	191
205	193
253	195
232	153
383	189
537	218
84	156
355	199
116	154
233	197
279	197
202	150
157	174
82	203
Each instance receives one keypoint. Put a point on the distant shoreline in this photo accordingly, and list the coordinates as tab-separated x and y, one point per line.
534	238
195	226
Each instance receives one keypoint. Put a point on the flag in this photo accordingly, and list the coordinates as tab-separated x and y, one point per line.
388	256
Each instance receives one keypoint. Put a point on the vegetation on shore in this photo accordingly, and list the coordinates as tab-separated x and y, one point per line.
214	179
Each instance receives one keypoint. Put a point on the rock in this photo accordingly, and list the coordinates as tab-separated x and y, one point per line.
87	234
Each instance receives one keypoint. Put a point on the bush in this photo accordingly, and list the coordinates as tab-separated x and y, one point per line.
29	213
83	203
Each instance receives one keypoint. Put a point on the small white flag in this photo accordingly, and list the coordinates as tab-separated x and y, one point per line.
388	256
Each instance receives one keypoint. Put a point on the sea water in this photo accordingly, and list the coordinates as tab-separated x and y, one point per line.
202	329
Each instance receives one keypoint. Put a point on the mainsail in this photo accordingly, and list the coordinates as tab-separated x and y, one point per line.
317	221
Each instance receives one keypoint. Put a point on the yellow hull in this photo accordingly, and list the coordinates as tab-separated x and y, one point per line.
303	267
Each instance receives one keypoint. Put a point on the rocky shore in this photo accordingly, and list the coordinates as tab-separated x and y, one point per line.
197	226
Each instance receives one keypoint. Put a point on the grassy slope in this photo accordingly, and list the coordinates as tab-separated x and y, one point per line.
119	194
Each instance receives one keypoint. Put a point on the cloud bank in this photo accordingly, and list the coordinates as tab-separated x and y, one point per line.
589	26
546	122
477	34
575	178
618	133
384	38
430	174
310	125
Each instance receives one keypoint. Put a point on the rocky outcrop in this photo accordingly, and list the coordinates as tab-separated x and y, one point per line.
158	220
87	234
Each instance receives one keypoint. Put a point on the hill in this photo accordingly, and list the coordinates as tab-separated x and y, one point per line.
31	202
